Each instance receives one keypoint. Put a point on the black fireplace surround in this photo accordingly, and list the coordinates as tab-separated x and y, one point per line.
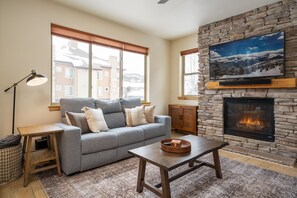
250	118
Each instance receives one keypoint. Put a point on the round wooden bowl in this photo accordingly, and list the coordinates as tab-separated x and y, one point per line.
185	146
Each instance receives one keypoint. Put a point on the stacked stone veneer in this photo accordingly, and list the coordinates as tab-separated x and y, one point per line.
281	16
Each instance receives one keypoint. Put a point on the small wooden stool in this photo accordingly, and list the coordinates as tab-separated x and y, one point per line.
40	157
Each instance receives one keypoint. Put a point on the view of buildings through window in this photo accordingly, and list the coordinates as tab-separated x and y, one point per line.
133	75
113	73
190	73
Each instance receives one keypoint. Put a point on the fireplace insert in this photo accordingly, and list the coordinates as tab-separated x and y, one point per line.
250	118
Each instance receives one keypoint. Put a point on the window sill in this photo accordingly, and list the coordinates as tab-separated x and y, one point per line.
54	108
188	97
57	107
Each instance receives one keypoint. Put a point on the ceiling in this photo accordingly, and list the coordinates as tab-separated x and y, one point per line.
174	19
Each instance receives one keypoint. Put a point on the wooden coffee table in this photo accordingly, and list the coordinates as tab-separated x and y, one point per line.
169	161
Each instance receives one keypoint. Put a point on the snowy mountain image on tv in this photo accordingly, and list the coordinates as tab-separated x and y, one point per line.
258	56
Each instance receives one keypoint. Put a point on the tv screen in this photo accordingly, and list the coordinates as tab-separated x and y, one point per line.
259	56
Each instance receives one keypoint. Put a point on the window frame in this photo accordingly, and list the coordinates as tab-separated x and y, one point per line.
68	33
183	73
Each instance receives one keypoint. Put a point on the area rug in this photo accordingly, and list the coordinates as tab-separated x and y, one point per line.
119	180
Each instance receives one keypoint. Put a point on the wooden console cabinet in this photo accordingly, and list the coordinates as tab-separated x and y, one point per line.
183	118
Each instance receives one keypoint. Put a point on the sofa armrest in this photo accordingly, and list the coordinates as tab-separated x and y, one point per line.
69	145
166	120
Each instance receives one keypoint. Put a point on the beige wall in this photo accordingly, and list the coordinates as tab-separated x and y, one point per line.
25	43
178	45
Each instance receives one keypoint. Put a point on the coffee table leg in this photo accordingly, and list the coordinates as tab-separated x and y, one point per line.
165	183
141	174
216	159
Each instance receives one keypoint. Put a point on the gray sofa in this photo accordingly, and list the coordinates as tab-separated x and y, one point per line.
80	152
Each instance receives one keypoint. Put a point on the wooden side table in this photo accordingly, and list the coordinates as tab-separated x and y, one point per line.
40	157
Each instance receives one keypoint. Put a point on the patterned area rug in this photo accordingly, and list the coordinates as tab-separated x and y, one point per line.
119	180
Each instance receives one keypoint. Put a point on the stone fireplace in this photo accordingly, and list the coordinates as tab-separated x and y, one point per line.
250	118
280	141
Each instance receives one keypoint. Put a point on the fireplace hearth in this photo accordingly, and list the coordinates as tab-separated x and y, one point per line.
250	118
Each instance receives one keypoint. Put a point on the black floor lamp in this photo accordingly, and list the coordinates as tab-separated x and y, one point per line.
33	79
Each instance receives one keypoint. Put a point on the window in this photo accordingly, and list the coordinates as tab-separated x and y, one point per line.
190	64
100	75
108	60
69	91
58	87
133	75
69	72
99	90
88	65
73	57
58	69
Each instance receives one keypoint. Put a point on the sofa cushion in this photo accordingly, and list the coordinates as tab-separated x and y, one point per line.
109	106
115	120
149	113
135	116
95	119
74	105
95	142
79	120
130	102
152	130
113	112
128	135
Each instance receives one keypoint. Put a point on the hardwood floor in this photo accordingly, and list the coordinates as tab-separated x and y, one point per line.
34	189
15	189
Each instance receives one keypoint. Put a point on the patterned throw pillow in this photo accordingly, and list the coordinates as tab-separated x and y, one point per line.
95	119
149	113
78	120
135	116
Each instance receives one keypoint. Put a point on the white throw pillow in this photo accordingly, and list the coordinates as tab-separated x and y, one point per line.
95	119
149	113
135	116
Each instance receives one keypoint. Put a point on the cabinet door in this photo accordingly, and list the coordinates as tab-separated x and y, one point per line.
175	114
189	119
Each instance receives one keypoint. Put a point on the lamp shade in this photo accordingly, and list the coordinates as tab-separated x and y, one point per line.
36	79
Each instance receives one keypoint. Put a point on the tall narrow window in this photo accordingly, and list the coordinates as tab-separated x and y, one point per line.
87	65
190	64
70	68
107	61
133	75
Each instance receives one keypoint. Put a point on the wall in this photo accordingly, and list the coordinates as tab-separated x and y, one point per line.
281	16
178	45
26	44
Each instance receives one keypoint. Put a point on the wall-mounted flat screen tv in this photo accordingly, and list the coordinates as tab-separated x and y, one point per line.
259	56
